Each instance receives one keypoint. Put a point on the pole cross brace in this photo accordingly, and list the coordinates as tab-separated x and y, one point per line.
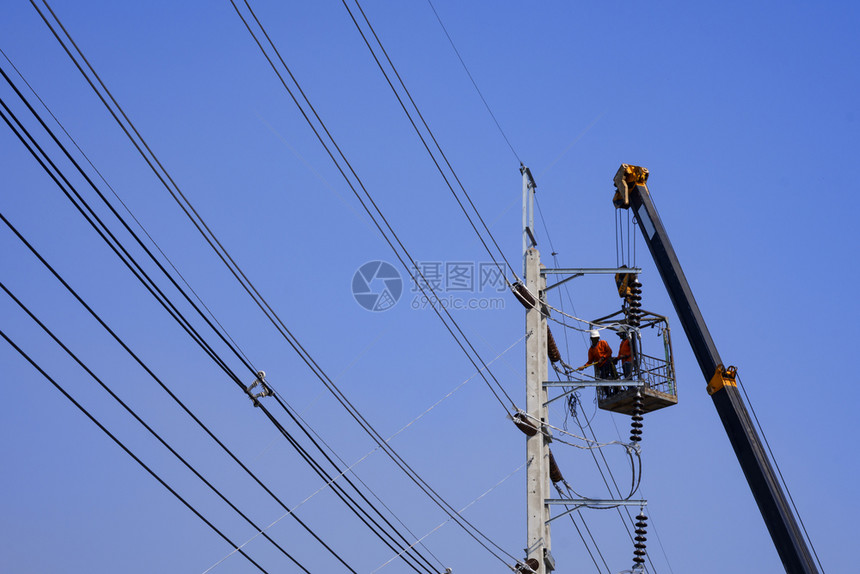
265	392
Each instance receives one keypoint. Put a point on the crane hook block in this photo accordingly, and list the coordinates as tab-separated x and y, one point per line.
626	176
723	377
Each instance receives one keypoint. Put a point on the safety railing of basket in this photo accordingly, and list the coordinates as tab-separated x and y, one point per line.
657	374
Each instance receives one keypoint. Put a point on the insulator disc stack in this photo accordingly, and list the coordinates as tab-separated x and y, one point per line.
636	423
639	551
634	302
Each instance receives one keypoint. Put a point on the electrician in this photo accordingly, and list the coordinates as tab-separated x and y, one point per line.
624	353
600	355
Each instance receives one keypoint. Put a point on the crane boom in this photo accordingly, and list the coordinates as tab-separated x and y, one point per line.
632	192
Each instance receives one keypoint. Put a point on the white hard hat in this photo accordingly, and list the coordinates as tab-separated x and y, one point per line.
594	334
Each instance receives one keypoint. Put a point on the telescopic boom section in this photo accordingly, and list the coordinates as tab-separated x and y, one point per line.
632	192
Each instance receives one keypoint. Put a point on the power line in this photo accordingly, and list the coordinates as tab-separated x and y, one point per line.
101	228
617	490
474	83
117	196
136	269
363	515
158	437
127	450
444	505
432	137
405	253
369	429
779	471
579	532
198	339
213	241
164	387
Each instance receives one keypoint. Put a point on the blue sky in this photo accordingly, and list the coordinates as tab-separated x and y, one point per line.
744	113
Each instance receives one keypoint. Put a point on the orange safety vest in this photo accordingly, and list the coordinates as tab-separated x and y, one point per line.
600	353
624	352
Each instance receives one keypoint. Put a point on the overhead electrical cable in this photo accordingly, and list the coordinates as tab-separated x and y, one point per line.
120	200
474	83
570	512
223	365
611	492
467	527
164	387
208	235
107	235
432	137
554	253
389	439
779	471
402	253
301	423
474	532
98	224
405	552
143	423
465	508
126	449
413	476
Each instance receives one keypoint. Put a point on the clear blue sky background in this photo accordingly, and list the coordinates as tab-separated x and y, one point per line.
745	113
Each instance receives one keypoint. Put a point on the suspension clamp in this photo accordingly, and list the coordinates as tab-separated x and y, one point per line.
265	392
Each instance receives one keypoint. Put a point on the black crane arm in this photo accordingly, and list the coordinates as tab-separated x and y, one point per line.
632	192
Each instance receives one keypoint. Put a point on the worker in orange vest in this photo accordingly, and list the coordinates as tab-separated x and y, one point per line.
625	355
600	355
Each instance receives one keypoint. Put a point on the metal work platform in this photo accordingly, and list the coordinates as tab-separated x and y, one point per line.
654	376
620	399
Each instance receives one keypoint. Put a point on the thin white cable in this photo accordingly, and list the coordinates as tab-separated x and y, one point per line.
356	463
443	523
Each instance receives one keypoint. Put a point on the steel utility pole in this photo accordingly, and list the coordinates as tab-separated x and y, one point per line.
538	555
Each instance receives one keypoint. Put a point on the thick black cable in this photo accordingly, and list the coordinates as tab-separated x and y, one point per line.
174	312
414	477
579	532
125	129
408	269
170	393
179	318
91	217
335	465
250	286
116	214
158	437
378	438
104	232
635	486
127	451
618	490
118	198
341	493
432	137
302	424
